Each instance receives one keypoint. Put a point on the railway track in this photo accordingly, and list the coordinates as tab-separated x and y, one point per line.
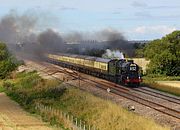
157	94
151	92
161	108
127	92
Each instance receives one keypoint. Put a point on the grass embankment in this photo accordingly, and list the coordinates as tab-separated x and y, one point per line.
1	87
29	88
154	82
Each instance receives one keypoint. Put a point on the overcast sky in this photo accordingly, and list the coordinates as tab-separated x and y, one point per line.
137	19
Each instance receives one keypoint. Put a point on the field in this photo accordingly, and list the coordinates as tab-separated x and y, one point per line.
175	84
29	88
166	84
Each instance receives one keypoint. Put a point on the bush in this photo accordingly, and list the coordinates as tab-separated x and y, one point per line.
7	62
8	85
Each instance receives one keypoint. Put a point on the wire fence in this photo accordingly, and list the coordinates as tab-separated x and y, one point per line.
72	122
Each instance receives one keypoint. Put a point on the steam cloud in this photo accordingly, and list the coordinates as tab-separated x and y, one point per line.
113	54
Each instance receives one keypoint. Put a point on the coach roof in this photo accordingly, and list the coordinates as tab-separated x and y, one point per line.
98	59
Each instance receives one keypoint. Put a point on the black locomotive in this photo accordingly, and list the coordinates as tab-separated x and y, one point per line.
120	71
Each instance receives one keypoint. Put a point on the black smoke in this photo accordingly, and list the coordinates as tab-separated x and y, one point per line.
25	39
51	41
20	33
96	43
114	40
14	27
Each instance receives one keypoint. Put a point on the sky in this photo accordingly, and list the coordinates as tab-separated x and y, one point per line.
136	19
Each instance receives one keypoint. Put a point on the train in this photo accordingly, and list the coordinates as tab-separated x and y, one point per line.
120	71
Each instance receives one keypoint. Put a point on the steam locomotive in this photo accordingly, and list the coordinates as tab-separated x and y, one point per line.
118	71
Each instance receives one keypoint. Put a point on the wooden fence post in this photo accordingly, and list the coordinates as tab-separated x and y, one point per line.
68	117
84	126
76	122
72	119
89	127
80	124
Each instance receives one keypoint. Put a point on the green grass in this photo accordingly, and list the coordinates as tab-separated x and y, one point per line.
29	88
1	89
103	114
161	78
1	86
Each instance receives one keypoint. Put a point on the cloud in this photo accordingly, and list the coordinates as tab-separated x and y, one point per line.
139	4
143	14
159	29
116	12
148	15
64	8
164	7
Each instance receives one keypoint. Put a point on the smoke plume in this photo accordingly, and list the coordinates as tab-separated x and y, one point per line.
14	28
89	42
20	33
24	38
115	40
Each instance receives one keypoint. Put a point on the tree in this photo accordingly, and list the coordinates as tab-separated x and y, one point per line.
3	52
164	55
139	48
7	62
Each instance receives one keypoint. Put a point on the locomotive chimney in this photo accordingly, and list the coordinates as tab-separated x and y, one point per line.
131	61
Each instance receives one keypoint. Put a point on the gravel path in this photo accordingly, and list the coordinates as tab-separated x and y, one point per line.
12	117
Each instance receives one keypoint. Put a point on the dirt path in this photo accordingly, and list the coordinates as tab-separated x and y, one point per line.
12	117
